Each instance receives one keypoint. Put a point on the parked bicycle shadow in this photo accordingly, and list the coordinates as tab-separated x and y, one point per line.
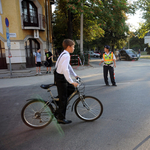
142	143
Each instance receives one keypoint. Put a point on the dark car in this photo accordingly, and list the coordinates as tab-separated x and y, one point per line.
128	54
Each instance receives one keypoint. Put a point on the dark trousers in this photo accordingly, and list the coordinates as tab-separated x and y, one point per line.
64	89
111	72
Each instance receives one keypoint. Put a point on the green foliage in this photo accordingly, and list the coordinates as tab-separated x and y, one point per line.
137	43
144	27
104	22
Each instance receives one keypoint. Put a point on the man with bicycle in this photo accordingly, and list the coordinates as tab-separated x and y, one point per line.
65	84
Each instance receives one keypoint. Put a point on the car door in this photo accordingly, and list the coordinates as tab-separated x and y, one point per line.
123	54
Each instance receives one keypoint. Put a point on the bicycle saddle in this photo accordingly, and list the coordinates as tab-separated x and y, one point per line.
46	86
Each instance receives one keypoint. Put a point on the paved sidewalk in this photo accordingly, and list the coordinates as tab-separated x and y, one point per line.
29	72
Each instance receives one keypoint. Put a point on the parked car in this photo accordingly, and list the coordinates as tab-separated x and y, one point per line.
99	53
92	54
128	54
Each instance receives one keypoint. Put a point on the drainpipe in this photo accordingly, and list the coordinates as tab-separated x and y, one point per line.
47	24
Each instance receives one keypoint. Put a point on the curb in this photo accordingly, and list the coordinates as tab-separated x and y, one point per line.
31	73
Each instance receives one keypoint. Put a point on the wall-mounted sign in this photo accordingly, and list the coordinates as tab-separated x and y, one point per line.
12	34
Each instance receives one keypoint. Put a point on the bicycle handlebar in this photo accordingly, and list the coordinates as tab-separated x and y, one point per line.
78	80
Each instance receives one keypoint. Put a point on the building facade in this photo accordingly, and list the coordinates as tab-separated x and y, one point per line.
147	39
30	29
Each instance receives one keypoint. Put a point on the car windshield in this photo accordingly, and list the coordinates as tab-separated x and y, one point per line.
130	51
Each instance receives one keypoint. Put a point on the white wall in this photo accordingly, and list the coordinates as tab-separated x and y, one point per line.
147	40
18	54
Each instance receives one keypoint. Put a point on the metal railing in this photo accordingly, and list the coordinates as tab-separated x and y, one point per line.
40	22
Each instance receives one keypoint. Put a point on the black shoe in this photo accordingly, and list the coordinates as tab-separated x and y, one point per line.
47	72
55	102
114	85
63	121
107	85
50	72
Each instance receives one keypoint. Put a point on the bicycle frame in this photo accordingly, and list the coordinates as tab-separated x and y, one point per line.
76	92
53	99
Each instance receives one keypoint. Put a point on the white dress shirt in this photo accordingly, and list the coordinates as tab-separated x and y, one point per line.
63	66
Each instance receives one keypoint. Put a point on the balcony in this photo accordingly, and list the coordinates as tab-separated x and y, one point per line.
30	22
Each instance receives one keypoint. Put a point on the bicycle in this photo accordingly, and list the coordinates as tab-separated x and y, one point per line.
39	113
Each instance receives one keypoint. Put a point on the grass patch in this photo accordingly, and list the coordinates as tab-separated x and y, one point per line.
145	57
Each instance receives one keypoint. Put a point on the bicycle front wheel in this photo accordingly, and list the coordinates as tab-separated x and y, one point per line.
89	108
36	114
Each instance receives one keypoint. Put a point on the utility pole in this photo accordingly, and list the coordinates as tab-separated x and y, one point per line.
81	32
128	41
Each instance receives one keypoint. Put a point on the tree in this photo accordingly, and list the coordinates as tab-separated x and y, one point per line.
67	19
137	43
104	22
144	27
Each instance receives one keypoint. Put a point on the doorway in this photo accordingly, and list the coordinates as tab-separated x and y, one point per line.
31	47
3	64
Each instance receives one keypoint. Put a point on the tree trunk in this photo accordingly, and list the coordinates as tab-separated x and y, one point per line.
70	28
112	48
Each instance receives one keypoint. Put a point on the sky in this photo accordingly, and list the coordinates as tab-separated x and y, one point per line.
133	20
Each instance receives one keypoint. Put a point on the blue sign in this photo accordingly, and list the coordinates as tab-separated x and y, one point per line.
8	37
6	22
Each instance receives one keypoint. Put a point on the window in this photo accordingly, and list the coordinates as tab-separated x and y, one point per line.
30	14
123	53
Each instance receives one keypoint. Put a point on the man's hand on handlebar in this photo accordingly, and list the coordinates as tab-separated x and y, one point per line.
75	84
77	77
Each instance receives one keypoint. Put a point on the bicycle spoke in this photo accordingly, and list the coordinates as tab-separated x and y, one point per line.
92	112
36	114
88	109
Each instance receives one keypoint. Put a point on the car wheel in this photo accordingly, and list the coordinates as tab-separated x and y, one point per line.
127	58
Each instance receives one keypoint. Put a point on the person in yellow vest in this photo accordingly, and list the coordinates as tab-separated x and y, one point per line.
109	60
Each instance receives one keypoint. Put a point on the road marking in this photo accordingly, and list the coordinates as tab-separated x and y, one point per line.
91	75
92	85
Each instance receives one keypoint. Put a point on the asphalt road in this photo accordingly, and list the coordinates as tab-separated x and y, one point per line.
124	124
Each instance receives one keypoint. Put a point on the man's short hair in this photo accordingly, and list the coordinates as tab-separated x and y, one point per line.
107	46
67	42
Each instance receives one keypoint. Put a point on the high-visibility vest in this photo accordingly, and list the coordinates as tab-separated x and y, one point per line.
108	59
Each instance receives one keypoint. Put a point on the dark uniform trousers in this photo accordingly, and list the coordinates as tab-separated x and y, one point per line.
111	72
65	89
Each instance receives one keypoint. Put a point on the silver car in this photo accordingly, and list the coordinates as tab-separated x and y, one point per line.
92	54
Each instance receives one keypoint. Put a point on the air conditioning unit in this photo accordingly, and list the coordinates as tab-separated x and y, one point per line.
36	34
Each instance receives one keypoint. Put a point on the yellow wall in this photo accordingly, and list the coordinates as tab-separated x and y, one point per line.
11	10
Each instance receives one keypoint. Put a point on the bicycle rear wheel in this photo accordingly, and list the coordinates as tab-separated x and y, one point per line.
89	108
36	114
